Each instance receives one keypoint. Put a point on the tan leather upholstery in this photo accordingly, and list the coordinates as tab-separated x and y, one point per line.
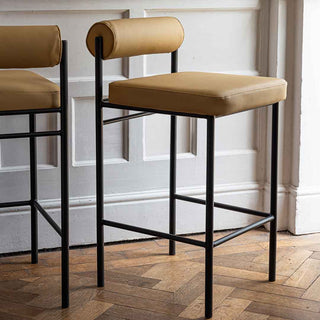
198	92
21	90
132	37
29	46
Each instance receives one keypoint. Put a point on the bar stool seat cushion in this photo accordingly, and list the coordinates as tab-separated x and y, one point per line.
199	93
23	90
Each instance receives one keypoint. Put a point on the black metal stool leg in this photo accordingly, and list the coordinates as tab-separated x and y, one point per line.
99	163
209	218
273	193
64	178
173	164
33	190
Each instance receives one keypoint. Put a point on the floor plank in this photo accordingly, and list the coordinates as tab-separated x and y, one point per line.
19	309
261	286
230	309
127	313
173	275
245	315
278	311
90	311
7	316
313	293
137	291
276	299
305	275
196	309
139	303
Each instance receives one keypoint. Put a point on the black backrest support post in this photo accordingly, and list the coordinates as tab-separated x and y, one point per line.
174	61
99	159
64	174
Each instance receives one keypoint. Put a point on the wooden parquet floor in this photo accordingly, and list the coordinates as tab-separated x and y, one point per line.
144	283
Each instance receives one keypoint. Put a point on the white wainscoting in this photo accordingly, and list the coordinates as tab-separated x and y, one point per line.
221	36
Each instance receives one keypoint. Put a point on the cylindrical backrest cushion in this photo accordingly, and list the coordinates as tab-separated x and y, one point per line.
29	46
133	37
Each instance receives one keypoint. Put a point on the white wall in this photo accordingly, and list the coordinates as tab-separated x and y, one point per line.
235	36
305	198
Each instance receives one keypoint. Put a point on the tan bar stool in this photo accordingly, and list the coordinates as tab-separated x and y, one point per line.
192	94
25	92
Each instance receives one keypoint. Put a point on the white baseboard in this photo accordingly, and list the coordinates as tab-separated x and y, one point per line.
304	214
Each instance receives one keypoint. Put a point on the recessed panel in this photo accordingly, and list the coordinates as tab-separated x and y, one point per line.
215	40
84	133
157	135
74	26
15	152
237	132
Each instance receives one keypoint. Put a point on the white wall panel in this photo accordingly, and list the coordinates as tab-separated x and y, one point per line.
216	40
83	144
239	132
15	153
157	135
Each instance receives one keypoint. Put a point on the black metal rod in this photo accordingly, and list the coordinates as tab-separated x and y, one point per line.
99	161
128	117
274	193
209	218
106	104
153	233
173	166
29	111
223	206
190	199
15	204
45	214
242	231
33	189
172	179
29	134
240	209
64	176
174	61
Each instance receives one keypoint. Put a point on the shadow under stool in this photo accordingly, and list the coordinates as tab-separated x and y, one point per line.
194	94
24	92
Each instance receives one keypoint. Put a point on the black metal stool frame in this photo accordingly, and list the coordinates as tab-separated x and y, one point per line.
209	243
36	207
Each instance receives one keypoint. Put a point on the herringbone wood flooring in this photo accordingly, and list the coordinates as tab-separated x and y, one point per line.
143	282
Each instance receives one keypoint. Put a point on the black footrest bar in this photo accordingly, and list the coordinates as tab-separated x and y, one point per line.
48	218
223	206
189	199
153	233
243	230
240	209
28	134
14	204
29	111
128	117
